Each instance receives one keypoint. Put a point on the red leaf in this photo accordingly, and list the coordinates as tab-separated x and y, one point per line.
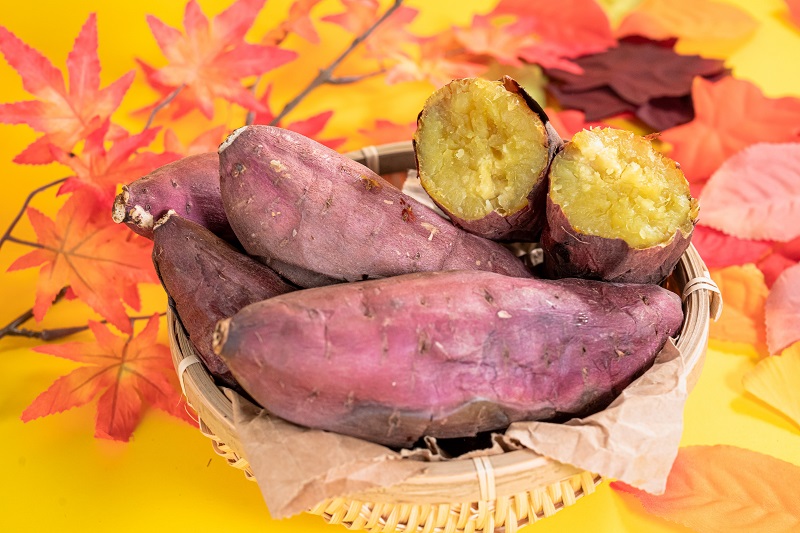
133	371
569	122
102	262
730	115
726	489
719	250
782	311
386	131
782	256
503	42
794	11
439	60
756	193
212	57
64	117
297	21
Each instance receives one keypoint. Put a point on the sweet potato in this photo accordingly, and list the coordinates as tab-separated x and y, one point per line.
617	210
483	148
446	354
190	186
323	218
208	280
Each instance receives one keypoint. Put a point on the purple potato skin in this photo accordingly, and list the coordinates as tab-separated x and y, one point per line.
298	204
189	186
445	354
569	253
208	280
526	224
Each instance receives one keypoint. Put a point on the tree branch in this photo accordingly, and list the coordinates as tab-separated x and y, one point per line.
344	80
7	235
27	315
326	74
58	333
162	104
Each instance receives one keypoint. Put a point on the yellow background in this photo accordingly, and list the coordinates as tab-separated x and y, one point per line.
55	476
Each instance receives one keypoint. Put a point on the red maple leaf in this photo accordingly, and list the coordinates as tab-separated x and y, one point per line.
730	115
310	127
297	21
505	42
387	38
102	262
131	372
65	117
208	141
439	59
102	170
211	58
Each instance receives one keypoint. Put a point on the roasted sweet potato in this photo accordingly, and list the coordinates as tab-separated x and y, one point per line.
322	218
446	354
617	210
483	148
208	280
190	186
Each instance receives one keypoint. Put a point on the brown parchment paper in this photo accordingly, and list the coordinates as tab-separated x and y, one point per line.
634	440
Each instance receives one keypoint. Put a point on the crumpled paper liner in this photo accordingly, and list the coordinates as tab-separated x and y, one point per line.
635	440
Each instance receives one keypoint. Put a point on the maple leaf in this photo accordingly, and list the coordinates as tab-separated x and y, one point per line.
502	42
130	372
688	19
730	115
297	21
569	122
439	60
744	293
208	141
385	131
388	38
595	104
65	117
103	170
562	30
310	127
776	381
102	262
211	58
712	488
782	311
794	11
756	193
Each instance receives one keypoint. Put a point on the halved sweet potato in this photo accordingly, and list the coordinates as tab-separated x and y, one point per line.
319	217
617	210
483	148
445	354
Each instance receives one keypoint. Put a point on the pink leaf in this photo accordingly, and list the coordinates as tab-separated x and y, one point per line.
782	311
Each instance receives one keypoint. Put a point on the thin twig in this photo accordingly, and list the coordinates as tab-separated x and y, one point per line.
59	333
326	74
344	80
27	315
24	242
162	104
7	235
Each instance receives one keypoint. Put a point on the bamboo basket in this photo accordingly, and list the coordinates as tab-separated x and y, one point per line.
482	494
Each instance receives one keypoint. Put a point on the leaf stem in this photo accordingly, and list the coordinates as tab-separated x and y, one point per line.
13	329
7	235
326	75
345	80
162	104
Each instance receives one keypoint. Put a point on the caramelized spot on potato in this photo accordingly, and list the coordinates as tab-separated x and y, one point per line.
612	183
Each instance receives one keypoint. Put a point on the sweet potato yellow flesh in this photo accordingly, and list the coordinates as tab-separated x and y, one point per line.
612	183
480	148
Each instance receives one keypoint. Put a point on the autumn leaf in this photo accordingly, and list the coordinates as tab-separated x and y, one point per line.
438	60
385	131
730	115
65	117
310	127
212	58
720	250
782	311
569	122
502	42
776	381
794	11
756	193
744	293
781	256
726	489
595	104
127	372
297	21
102	262
103	170
705	20
208	141
666	112
388	38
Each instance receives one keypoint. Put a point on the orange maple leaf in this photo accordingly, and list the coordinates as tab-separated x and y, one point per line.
568	122
297	21
211	59
730	115
744	293
726	489
439	59
65	117
102	262
504	42
134	371
388	38
208	141
386	131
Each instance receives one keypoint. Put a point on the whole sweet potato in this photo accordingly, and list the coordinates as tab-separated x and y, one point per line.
617	210
323	218
208	280
483	148
189	186
446	354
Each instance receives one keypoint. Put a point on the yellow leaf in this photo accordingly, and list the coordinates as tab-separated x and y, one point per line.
776	381
744	293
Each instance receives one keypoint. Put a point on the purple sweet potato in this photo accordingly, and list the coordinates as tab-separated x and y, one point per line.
189	186
445	354
483	148
617	210
208	280
322	218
